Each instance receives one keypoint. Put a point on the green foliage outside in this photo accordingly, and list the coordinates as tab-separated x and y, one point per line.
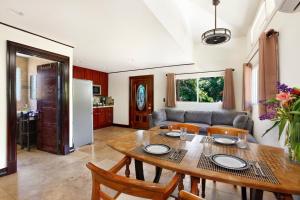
186	90
209	89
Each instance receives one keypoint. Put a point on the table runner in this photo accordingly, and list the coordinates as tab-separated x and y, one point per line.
205	163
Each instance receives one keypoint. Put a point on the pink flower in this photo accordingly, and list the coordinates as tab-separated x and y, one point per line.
283	96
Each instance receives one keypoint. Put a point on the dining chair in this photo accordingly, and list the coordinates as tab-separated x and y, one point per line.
126	187
225	130
191	128
221	130
184	195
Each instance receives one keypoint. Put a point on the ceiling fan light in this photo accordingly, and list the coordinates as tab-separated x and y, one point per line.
216	36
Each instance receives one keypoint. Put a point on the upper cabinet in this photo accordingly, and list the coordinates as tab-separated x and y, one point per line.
98	78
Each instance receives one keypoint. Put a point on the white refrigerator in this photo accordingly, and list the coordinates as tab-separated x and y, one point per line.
82	112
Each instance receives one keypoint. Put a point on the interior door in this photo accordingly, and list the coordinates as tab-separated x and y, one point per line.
141	101
49	107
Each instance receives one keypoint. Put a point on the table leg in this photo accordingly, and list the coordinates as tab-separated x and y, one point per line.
158	171
244	193
281	196
256	194
139	171
203	185
194	185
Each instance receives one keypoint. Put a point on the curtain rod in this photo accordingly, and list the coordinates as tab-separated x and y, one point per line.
223	70
131	70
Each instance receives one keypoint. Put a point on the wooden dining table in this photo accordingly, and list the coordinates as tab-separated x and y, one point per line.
286	172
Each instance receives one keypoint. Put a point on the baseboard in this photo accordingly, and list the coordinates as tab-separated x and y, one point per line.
72	149
121	125
3	171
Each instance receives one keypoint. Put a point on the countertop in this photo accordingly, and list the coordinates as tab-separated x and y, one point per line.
108	106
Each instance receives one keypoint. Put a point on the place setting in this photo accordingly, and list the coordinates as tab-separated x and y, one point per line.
181	133
162	151
235	165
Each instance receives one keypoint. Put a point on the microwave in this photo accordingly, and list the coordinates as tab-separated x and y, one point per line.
96	90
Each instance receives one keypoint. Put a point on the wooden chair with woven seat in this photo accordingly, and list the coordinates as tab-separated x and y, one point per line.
184	195
126	187
191	128
219	130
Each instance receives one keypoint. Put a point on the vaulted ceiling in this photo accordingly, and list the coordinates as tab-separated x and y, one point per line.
112	35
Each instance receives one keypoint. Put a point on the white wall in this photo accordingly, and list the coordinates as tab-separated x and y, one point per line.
229	55
289	47
7	33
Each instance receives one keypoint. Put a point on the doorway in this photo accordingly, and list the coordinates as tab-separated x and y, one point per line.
140	101
50	107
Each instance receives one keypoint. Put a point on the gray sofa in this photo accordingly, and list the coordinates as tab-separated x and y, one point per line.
204	119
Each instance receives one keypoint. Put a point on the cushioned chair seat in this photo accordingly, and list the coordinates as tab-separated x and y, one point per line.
129	197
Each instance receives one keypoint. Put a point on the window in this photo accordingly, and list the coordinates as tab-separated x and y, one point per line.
18	84
186	90
211	89
207	89
254	84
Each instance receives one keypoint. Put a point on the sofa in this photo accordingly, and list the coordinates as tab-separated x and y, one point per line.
204	119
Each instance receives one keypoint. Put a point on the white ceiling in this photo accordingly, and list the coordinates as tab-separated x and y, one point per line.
112	35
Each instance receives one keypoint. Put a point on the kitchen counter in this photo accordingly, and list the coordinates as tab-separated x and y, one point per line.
108	106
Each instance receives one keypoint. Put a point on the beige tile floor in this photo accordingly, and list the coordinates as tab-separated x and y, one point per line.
46	176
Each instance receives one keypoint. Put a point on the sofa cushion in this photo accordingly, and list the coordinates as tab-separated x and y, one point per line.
240	121
198	117
224	117
175	115
159	115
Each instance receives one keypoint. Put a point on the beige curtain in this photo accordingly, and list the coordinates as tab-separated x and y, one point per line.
228	92
247	72
170	98
268	67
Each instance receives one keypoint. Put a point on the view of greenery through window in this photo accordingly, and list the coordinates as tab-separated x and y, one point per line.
210	89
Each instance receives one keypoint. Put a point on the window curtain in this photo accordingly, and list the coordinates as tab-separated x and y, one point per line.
170	98
228	92
268	67
247	86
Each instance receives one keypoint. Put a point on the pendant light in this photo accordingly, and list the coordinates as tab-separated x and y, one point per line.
217	35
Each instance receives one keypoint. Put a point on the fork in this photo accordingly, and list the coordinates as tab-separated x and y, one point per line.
254	168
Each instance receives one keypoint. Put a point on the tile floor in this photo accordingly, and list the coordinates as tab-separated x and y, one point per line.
46	176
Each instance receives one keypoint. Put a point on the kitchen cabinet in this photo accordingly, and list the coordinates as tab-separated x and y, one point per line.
78	72
103	117
98	78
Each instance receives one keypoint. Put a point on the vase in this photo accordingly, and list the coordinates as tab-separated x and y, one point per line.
293	141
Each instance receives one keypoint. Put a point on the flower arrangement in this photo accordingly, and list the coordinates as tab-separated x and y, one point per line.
284	110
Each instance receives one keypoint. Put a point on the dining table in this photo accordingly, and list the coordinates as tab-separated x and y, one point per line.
281	176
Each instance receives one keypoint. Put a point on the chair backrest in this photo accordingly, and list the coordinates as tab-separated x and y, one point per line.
191	128
123	185
225	130
188	196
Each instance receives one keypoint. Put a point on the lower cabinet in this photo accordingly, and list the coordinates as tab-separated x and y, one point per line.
102	117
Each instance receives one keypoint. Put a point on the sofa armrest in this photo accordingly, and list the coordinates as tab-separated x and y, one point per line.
243	122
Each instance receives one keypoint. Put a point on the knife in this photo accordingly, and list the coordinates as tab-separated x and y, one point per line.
259	168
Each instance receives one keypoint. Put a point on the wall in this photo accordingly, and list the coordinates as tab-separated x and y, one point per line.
31	40
289	47
205	58
22	63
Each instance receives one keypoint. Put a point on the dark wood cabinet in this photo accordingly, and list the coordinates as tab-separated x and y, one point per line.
78	72
98	78
103	117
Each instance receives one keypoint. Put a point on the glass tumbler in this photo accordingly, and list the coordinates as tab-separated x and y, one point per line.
242	140
183	133
207	147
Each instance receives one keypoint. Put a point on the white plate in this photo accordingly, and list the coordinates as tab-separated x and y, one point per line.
229	162
157	149
173	134
224	140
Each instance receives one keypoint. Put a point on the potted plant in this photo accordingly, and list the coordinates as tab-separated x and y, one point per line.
284	110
